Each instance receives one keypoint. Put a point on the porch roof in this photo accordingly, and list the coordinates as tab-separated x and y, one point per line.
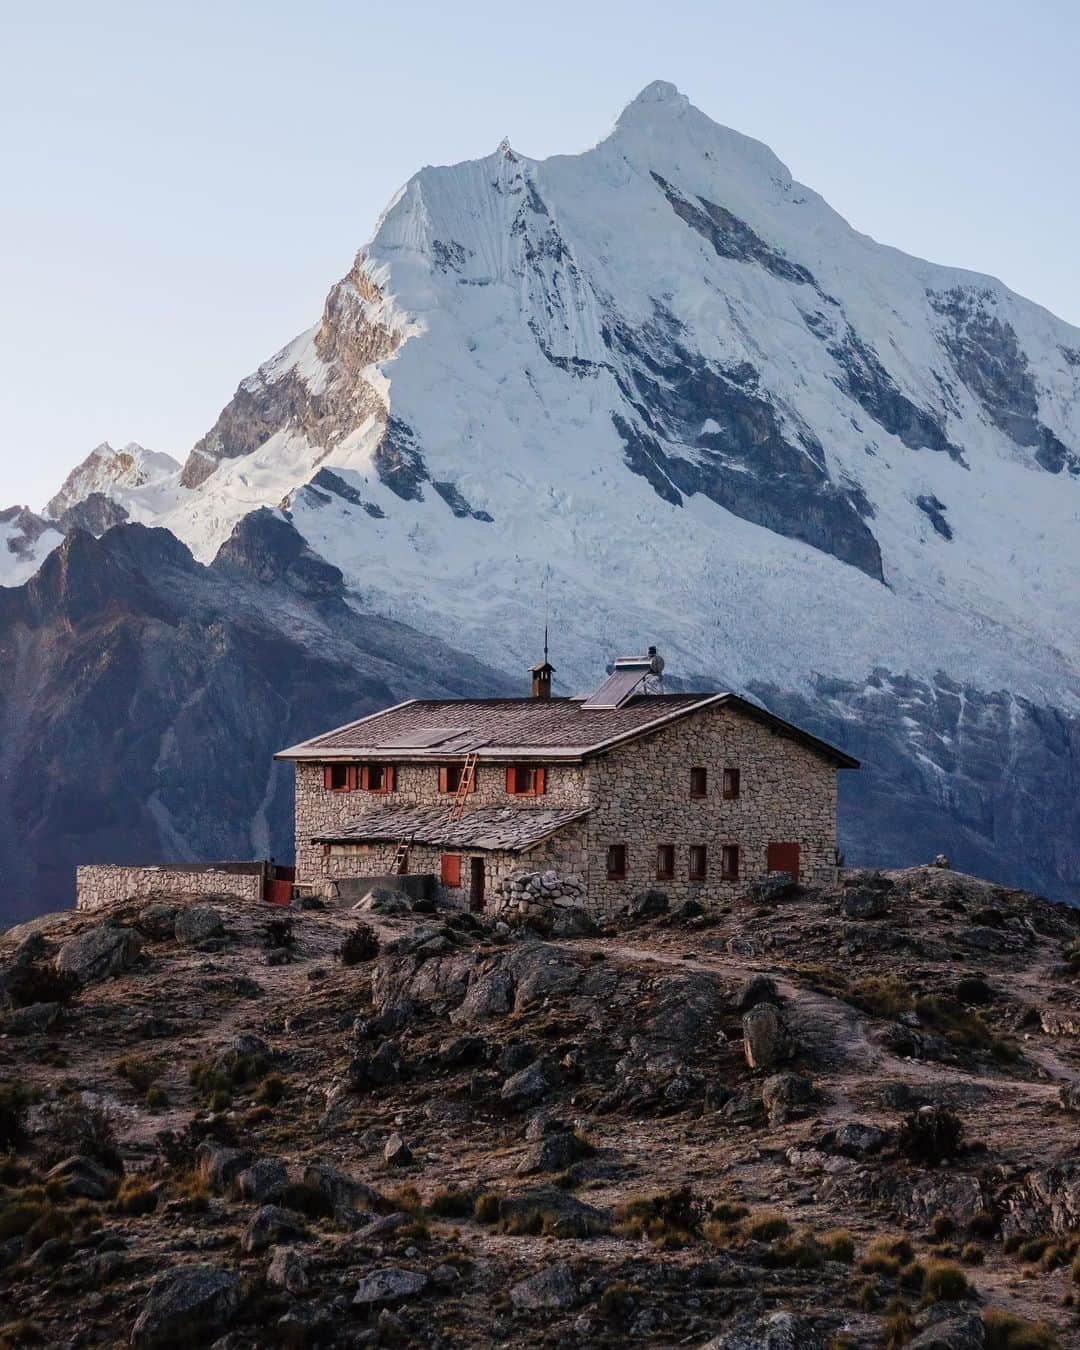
509	829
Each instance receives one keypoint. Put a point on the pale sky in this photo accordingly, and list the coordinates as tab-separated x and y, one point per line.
181	184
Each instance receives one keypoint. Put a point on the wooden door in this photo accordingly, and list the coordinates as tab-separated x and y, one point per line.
476	883
783	858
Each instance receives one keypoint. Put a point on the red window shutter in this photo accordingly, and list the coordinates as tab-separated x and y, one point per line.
451	869
511	778
444	774
391	778
538	782
327	780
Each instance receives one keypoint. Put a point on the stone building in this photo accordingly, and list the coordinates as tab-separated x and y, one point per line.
625	790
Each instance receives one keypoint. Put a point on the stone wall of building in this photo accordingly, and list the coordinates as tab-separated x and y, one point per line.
566	852
640	797
320	811
101	884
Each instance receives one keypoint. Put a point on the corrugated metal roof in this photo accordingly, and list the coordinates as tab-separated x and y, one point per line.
504	828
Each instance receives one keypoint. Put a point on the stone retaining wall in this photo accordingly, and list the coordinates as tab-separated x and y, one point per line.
101	884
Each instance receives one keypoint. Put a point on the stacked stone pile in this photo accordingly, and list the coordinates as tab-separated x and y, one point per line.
524	894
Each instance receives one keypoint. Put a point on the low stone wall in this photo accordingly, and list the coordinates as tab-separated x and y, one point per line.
524	894
101	884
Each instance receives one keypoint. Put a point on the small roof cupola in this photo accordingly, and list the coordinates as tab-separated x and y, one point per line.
541	679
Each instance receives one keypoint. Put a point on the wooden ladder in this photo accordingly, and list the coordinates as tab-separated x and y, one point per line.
401	857
464	787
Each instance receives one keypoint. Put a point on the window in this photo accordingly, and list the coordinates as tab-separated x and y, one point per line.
665	862
616	862
377	777
699	782
451	869
731	784
729	862
525	780
450	777
698	862
339	777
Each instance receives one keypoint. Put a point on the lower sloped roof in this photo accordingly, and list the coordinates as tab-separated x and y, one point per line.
510	829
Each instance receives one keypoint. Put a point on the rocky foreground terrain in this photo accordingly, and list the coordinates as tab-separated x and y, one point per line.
813	1119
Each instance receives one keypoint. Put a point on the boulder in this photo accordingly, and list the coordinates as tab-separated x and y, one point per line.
221	1165
84	1178
342	1191
940	860
262	1182
397	1153
864	904
191	1305
386	1064
775	886
783	1094
1069	1093
649	904
156	922
32	1020
197	924
571	921
391	1284
561	1215
99	953
758	988
383	900
777	1331
288	1270
550	1154
857	1140
953	1331
526	1087
553	1288
268	1226
766	1040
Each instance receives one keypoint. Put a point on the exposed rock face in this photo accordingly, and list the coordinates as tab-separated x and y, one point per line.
99	953
766	1039
350	338
183	1302
186	672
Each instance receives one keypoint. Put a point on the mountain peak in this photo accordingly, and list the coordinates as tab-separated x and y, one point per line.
658	101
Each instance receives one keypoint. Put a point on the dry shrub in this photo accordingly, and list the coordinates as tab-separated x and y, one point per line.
135	1196
139	1071
896	1326
361	944
886	1255
766	1226
931	1136
450	1203
669	1219
838	1245
1006	1331
486	1209
942	1282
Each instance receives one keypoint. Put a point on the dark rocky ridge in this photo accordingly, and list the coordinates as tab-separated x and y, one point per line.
142	695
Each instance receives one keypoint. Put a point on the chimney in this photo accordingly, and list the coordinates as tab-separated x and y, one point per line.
541	679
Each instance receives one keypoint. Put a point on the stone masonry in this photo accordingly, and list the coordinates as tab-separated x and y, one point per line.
103	884
638	795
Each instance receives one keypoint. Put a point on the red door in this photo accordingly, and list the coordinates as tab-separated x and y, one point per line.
279	885
783	858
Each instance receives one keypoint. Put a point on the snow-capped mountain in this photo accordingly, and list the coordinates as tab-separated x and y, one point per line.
667	392
134	478
108	487
672	386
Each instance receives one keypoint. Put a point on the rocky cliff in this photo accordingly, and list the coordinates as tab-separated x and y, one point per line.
142	696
